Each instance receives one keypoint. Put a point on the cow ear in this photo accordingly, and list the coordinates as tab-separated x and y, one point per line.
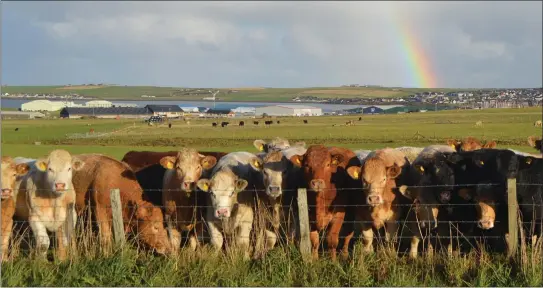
168	162
525	162
407	192
336	159
41	165
21	169
419	168
490	145
208	162
204	184
354	172
256	163
241	184
452	143
394	171
77	164
297	160
260	145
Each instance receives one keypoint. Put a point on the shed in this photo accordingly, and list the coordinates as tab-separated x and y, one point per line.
112	112
171	111
289	110
45	105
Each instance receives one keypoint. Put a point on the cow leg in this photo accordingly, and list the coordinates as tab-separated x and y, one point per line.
332	238
7	225
40	234
413	252
216	237
243	237
314	237
345	250
367	235
271	239
391	228
104	227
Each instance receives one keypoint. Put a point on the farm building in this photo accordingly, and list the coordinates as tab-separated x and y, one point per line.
244	111
99	103
289	110
190	109
46	105
111	112
20	115
220	113
171	111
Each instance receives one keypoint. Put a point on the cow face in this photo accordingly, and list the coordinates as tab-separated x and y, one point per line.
223	188
150	226
189	165
57	170
274	168
10	172
318	166
374	176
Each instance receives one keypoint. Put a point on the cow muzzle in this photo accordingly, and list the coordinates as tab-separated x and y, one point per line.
222	213
374	200
188	186
485	224
6	193
59	187
274	191
317	185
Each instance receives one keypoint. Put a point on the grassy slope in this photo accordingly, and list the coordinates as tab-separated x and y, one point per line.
267	94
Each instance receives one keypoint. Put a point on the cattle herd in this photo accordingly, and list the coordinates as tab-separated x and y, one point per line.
187	197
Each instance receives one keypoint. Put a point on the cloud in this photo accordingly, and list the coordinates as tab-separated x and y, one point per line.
278	44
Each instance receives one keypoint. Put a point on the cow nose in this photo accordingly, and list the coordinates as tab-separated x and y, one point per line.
317	184
188	185
6	193
222	213
485	224
60	186
274	191
374	200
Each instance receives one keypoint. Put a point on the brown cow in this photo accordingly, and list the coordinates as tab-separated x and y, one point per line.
469	144
379	175
141	218
324	170
10	172
179	193
535	143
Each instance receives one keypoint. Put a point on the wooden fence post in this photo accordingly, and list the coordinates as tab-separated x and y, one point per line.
512	217
116	212
303	219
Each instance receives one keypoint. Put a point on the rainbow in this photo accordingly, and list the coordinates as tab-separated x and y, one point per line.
421	74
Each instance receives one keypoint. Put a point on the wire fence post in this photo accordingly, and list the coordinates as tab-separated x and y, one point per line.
116	212
512	217
303	219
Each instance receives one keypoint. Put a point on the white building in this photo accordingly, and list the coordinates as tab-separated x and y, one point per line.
289	110
190	109
99	103
46	105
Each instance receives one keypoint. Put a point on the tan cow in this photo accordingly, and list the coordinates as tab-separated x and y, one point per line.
537	123
535	143
479	123
10	172
179	195
95	181
470	144
47	190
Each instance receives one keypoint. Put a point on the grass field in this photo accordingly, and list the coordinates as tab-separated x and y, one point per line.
282	266
249	94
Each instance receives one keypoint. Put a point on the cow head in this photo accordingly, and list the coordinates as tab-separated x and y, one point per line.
189	165
149	226
223	188
318	166
57	170
10	172
275	144
534	143
274	168
374	175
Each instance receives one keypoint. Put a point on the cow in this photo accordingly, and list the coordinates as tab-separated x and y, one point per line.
268	122
278	122
91	131
380	176
231	192
142	219
469	144
537	123
10	174
16	129
349	123
255	122
49	199
169	125
241	123
324	173
224	124
479	123
535	143
276	143
214	124
433	181
179	195
410	152
305	121
359	118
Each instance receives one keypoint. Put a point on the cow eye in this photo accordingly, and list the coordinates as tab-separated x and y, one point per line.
69	169
328	165
51	170
199	168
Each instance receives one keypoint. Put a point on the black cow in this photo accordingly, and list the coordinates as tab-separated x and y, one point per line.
255	122
214	124
224	124
278	122
305	121
359	118
241	123
268	122
17	129
169	125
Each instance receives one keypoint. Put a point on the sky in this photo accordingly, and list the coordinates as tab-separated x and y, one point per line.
273	44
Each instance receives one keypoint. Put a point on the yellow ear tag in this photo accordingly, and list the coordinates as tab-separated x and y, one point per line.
261	148
528	161
334	162
421	169
206	187
298	161
481	162
256	163
355	174
452	146
42	166
169	165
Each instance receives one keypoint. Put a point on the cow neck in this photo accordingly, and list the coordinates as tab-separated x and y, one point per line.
37	182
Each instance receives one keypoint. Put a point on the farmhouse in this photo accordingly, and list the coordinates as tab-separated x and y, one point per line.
170	111
111	112
289	110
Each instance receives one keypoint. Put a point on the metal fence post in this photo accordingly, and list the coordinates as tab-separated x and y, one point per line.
303	219
512	217
116	212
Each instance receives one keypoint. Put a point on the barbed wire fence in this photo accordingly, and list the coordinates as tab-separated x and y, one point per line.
298	219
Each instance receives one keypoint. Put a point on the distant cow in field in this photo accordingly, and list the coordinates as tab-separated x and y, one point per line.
359	118
537	123
169	125
255	122
17	129
214	124
268	122
535	143
224	124
349	123
278	122
305	121
479	124
91	130
241	123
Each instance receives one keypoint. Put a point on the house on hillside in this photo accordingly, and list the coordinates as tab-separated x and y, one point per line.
170	111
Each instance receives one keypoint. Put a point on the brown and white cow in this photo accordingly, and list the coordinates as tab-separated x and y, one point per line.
379	178
10	173
48	192
181	202
330	195
98	177
231	193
